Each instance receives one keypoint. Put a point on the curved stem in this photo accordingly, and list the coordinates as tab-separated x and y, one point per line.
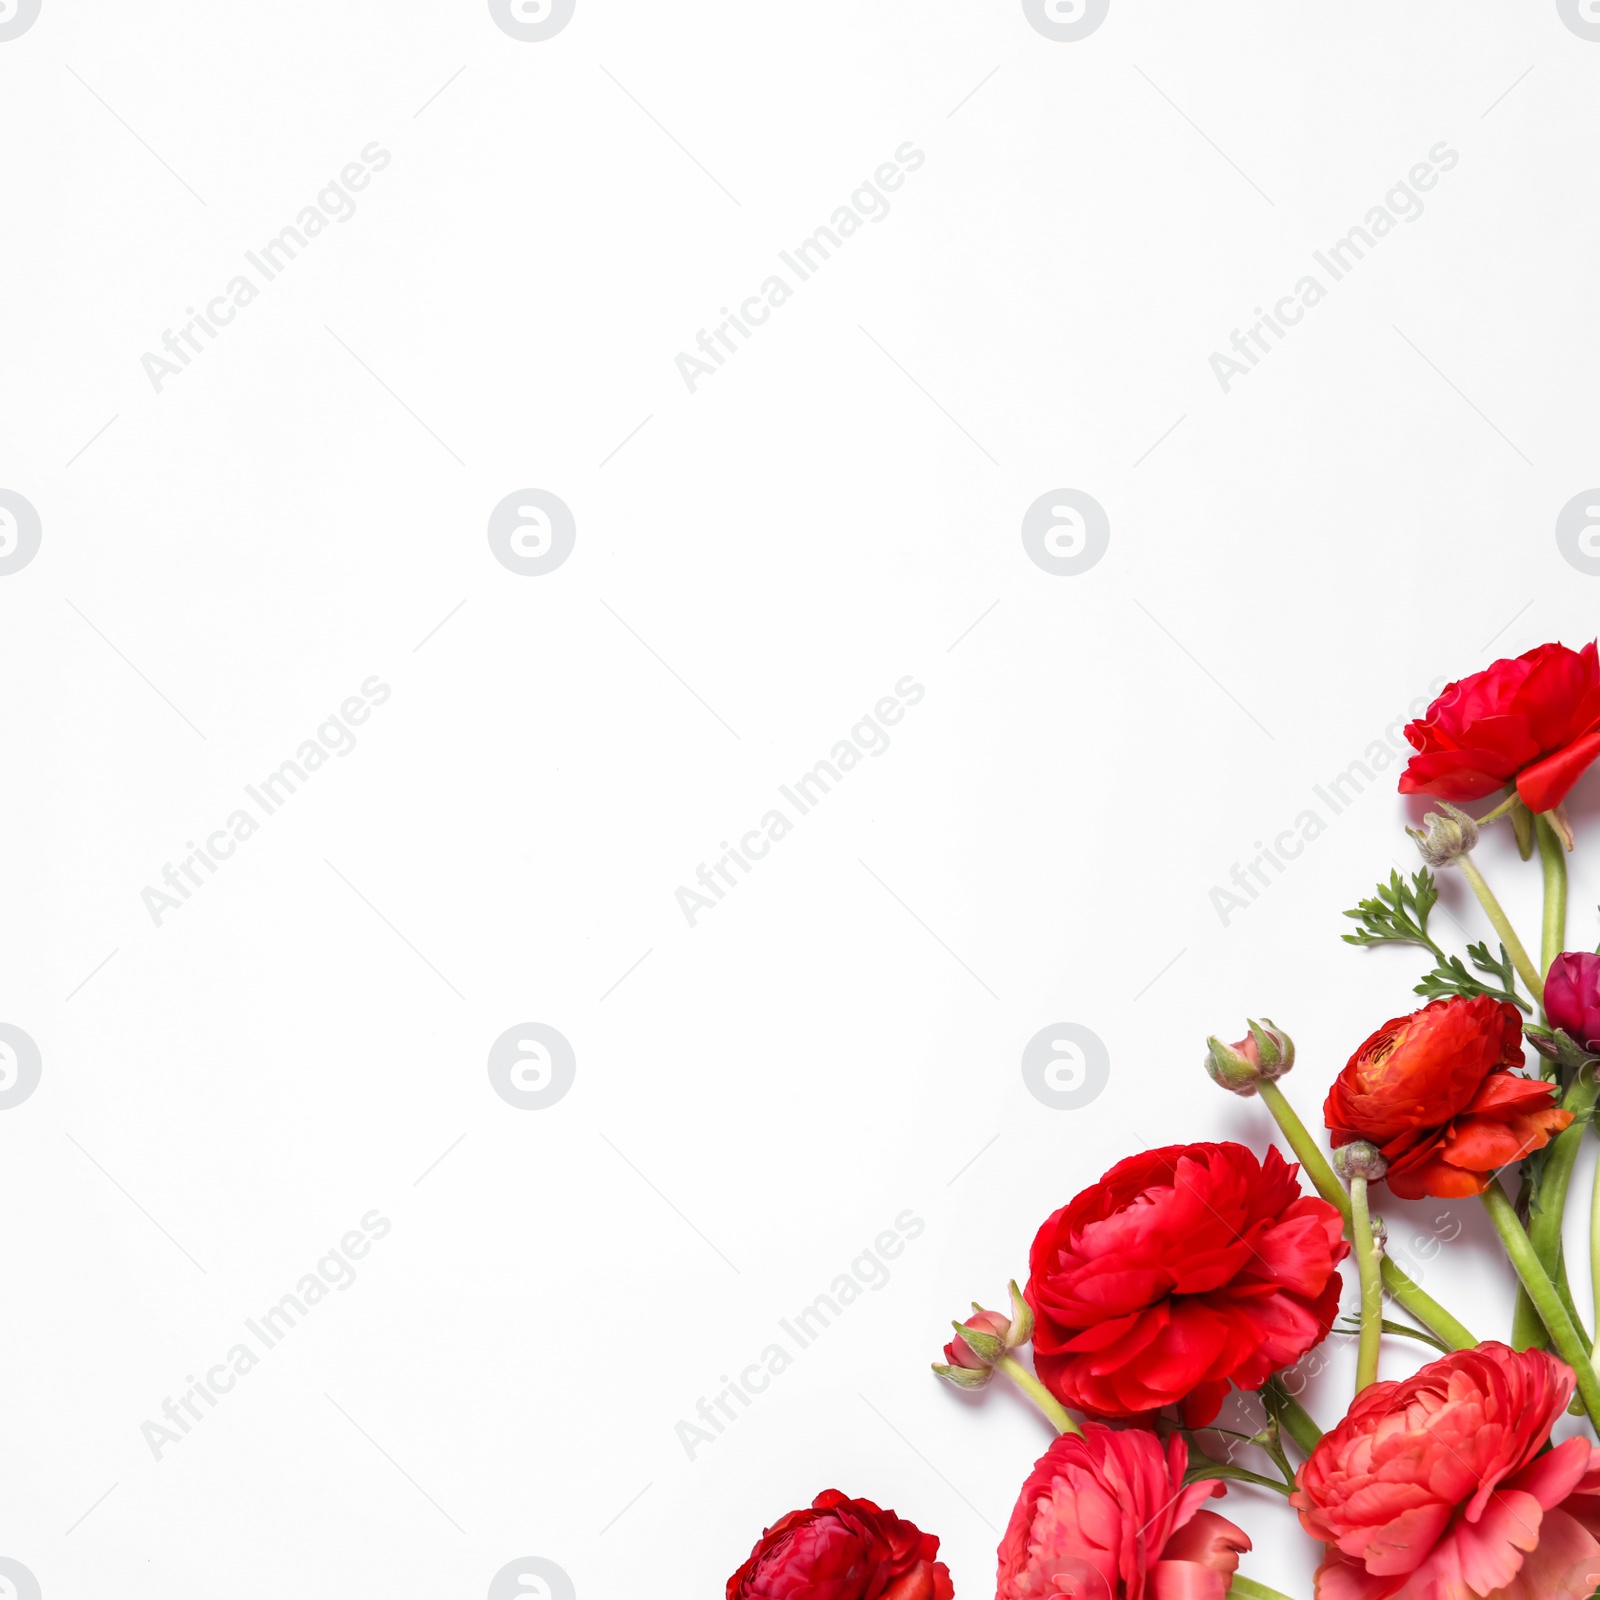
1248	1589
1371	1285
1502	926
1037	1393
1406	1292
1202	1466
1292	1417
1553	860
1543	1294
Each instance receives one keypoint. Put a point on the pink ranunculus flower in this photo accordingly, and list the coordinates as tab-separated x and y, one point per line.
1572	997
1435	1488
1107	1517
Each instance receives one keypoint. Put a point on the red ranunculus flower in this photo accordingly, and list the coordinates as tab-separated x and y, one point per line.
1181	1271
1572	997
1107	1517
842	1549
1534	721
1435	1093
1435	1488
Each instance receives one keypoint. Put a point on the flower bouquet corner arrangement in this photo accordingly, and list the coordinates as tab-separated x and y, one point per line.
1192	1273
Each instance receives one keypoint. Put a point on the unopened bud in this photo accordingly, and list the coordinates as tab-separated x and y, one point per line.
1265	1053
1360	1160
1380	1236
980	1341
1445	835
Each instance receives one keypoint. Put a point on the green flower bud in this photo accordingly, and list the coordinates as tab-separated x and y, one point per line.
1360	1160
1445	835
1264	1054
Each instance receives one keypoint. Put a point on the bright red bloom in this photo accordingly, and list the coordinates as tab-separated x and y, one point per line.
1435	1488
842	1549
1435	1092
1534	721
1572	997
1107	1517
1182	1271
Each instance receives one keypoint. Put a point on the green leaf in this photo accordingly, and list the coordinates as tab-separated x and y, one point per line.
1352	1326
1397	913
1450	977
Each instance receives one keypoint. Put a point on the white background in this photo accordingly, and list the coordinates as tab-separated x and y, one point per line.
1372	509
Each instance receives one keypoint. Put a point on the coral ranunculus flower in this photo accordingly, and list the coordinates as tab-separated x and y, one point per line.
842	1549
1534	721
1182	1271
1435	1488
1107	1517
1434	1091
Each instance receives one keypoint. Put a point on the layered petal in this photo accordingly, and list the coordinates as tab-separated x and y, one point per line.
1441	1488
1184	1270
1108	1517
1437	1093
842	1549
1533	721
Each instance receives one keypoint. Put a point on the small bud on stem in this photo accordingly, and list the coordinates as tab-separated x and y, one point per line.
1360	1160
1445	836
1262	1056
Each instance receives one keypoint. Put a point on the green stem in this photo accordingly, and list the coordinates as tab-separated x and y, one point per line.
1550	1201
1407	1293
1292	1417
1543	1293
1500	810
1502	926
1201	1466
1594	1262
1248	1589
1037	1393
1371	1285
1553	859
1549	1206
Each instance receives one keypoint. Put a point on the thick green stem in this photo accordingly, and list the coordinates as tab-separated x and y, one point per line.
1594	1262
1406	1293
1371	1285
1549	1208
1550	1202
1248	1589
1502	926
1543	1294
1037	1393
1292	1417
1553	859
